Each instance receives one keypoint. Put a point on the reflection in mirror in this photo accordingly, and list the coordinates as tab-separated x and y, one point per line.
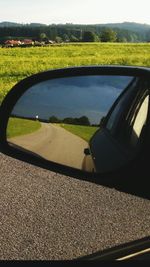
57	119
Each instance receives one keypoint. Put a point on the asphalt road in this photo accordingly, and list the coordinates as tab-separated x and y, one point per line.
54	143
48	216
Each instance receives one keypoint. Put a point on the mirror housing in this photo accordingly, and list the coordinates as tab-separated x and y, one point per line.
18	90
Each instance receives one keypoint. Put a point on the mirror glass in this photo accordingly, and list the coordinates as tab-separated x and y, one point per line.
63	120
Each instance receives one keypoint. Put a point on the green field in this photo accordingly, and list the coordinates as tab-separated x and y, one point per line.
18	63
17	127
85	132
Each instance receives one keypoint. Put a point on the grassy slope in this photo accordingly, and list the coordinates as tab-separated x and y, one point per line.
18	63
17	127
85	132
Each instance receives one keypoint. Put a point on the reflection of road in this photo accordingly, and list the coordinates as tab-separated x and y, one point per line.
54	143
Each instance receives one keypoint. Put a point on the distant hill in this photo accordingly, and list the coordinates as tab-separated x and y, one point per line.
126	31
132	26
9	24
14	24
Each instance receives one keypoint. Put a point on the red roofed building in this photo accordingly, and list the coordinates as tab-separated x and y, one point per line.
27	42
11	43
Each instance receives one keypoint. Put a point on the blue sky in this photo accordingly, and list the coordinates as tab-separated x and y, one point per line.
75	11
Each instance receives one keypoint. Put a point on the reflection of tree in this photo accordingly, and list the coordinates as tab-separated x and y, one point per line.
83	120
54	119
77	121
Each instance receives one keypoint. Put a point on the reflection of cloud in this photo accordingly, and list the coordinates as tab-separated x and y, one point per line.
88	81
90	96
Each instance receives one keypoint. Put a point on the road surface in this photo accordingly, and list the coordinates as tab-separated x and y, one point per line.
48	216
54	143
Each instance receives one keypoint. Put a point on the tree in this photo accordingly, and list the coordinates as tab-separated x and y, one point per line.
73	38
68	120
43	36
108	35
89	36
58	39
54	119
148	36
66	38
77	121
52	32
83	121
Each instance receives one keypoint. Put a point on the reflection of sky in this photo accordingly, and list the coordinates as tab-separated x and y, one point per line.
90	96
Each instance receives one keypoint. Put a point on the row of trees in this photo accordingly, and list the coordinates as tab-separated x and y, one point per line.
72	33
106	35
69	120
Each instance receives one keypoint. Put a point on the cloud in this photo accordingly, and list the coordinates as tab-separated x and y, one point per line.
90	96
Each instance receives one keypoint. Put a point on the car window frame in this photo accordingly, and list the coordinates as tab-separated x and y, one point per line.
127	113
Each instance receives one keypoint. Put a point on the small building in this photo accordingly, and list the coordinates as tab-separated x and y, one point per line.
27	42
49	42
12	43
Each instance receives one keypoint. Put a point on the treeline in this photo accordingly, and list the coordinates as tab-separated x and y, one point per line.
73	33
69	120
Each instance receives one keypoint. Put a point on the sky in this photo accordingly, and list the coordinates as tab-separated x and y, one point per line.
72	97
75	11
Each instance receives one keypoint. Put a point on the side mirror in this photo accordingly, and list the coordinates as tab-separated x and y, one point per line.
87	151
74	118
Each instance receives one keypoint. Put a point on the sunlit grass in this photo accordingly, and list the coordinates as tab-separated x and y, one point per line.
18	63
17	127
85	132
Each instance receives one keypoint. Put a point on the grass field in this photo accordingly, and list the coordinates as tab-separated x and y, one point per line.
17	127
18	63
85	132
